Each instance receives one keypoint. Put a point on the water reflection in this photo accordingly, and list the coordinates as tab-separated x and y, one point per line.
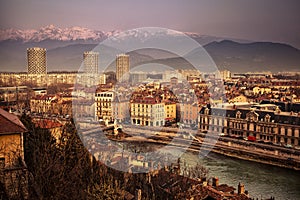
260	180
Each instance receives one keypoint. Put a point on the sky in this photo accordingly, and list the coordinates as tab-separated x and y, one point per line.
257	20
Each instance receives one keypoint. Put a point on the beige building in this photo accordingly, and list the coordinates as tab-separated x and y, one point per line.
122	67
51	104
55	78
170	110
147	112
90	62
225	74
120	109
52	78
186	73
42	104
239	98
103	105
262	90
188	113
12	163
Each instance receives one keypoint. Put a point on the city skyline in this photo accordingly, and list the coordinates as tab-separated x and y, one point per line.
137	99
273	21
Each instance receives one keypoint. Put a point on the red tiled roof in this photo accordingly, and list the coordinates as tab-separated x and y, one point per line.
147	100
9	123
47	124
43	97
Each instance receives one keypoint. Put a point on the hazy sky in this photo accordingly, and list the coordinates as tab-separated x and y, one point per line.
260	20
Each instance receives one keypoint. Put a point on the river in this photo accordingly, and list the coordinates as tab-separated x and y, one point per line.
261	180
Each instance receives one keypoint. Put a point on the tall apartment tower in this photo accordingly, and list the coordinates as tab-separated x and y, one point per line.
90	61
36	58
122	67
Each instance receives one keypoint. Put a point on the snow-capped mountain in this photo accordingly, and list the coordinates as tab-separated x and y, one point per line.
65	47
54	33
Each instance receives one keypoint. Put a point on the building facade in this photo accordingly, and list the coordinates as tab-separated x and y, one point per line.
90	62
170	110
187	113
36	61
122	67
138	77
276	127
103	105
225	74
147	112
13	171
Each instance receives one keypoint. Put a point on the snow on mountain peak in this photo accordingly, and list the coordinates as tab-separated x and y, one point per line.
53	32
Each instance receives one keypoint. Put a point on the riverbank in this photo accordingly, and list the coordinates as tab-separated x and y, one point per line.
255	157
228	148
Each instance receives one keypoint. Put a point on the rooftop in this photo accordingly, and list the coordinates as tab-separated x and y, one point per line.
9	123
47	124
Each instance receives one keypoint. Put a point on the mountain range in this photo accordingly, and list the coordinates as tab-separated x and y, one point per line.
66	46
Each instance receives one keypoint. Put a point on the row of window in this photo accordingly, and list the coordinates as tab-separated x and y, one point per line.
104	95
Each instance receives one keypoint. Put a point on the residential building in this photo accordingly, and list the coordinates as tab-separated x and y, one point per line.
147	111
273	126
138	77
90	62
187	112
51	104
262	90
239	98
42	104
13	174
225	74
173	81
120	109
185	73
103	105
36	61
170	110
83	109
122	67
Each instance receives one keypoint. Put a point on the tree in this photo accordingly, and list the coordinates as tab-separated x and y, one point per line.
64	170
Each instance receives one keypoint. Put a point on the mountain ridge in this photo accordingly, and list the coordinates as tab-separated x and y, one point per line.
66	52
81	33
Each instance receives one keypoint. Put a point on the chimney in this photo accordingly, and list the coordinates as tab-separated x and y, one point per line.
241	188
138	194
166	167
148	177
215	182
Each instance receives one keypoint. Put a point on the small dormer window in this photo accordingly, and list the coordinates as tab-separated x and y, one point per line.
252	116
277	110
267	118
238	115
206	111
